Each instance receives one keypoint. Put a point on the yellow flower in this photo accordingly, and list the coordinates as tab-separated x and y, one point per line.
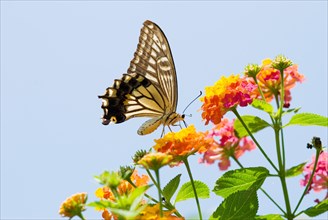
185	142
154	161
153	213
73	205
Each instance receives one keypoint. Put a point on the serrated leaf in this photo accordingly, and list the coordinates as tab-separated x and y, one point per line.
308	119
238	206
295	170
171	187
253	123
186	191
269	217
241	179
322	207
262	105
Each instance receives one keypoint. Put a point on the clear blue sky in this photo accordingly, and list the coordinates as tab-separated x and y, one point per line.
57	56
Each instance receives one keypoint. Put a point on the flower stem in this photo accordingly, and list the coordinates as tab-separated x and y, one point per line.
167	204
81	216
310	180
159	193
262	95
237	161
282	174
193	187
253	138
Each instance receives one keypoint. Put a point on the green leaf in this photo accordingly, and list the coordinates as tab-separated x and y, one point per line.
269	217
187	192
171	187
101	204
262	105
313	211
136	194
295	170
308	119
127	214
295	110
253	123
241	179
238	206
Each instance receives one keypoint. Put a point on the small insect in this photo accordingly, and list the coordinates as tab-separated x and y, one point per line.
149	88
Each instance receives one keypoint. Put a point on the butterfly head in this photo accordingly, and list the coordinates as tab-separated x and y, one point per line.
173	118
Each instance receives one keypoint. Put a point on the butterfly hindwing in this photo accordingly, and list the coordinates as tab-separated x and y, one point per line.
132	96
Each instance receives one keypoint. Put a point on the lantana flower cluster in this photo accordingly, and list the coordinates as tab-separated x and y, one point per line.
228	145
183	143
225	94
269	81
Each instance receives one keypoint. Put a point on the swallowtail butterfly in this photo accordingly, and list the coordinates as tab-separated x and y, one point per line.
149	88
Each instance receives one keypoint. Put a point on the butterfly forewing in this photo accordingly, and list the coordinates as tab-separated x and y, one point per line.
154	60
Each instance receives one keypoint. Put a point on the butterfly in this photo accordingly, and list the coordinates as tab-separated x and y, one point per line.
149	88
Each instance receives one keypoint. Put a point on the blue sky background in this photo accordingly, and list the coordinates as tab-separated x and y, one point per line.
57	56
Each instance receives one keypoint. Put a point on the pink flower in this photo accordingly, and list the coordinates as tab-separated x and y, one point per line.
228	145
269	81
320	178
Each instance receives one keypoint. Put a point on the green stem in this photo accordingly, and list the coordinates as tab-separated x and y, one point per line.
193	187
237	161
81	216
272	200
265	193
159	193
262	95
253	138
282	92
282	174
168	204
310	180
282	136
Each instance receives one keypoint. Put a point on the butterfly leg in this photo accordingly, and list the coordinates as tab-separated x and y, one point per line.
163	131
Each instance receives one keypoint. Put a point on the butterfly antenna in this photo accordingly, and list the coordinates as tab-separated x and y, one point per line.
200	93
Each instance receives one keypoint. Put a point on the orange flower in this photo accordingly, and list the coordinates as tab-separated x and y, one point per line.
225	94
269	81
228	145
183	143
73	205
153	213
126	187
156	160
